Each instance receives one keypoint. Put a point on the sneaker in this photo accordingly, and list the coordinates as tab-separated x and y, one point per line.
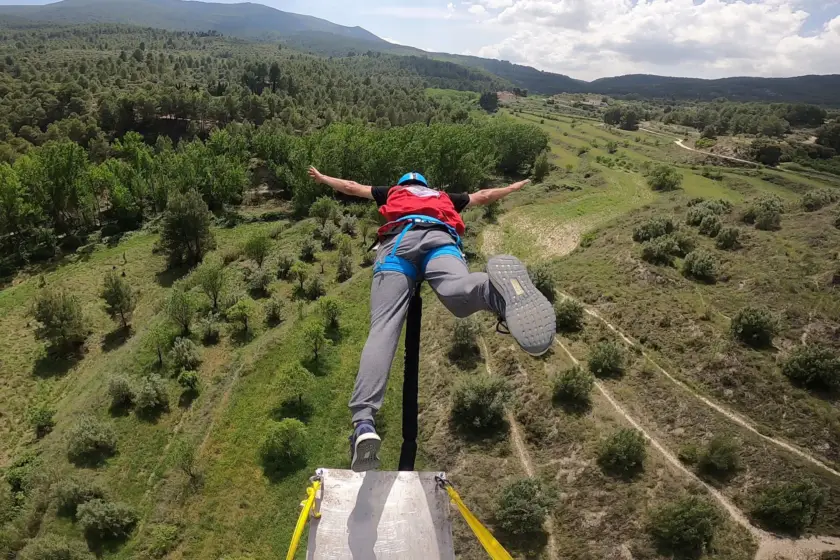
524	310
364	448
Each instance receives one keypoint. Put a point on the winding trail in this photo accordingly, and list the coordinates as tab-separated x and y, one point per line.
679	142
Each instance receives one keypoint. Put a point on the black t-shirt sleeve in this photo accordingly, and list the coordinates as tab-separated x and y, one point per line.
380	195
460	201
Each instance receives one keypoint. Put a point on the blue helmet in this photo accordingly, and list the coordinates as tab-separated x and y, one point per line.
413	178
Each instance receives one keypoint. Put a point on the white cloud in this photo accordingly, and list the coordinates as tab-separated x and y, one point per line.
495	4
477	9
709	38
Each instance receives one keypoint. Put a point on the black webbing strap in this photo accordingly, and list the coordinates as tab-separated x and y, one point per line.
408	453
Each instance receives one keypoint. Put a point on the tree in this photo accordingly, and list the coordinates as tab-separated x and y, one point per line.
489	101
829	135
180	308
121	392
629	120
766	152
212	277
185	355
664	178
119	298
60	320
330	309
324	209
73	492
242	313
185	235
315	337
299	273
257	248
90	440
106	520
151	395
612	116
284	448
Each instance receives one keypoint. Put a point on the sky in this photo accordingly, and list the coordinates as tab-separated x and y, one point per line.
590	39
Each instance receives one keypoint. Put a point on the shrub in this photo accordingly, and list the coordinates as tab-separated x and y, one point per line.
330	309
368	258
573	385
209	329
185	229
813	366
815	200
606	359
276	231
349	225
569	315
106	520
60	320
653	228
765	213
120	391
119	299
257	248
54	547
180	308
623	453
73	492
90	440
660	251
465	336
231	254
345	246
211	277
689	454
189	380
41	420
284	448
720	457
308	249
710	226
162	539
523	506
789	507
700	265
664	178
274	311
184	354
315	288
151	395
328	233
542	167
686	526
728	238
754	327
681	243
19	475
259	281
299	273
478	404
324	209
543	280
345	268
284	266
242	314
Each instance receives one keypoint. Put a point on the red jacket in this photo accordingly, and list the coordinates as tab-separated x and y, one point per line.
417	199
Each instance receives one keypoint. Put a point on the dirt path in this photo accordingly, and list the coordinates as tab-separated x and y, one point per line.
731	415
679	142
769	546
521	452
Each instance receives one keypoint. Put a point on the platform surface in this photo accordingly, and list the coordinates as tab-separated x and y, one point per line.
382	516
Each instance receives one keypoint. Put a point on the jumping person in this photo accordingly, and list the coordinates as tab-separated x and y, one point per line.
421	241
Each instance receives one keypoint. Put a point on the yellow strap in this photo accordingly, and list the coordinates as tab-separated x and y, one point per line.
311	493
490	544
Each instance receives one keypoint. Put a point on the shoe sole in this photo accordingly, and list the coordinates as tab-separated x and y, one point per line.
366	453
528	313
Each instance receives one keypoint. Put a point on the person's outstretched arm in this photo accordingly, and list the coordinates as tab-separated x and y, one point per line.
351	188
489	196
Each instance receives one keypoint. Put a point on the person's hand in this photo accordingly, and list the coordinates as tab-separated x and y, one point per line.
316	175
519	185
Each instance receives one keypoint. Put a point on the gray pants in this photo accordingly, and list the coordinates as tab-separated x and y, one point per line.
463	293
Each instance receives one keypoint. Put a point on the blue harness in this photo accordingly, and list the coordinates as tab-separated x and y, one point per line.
393	263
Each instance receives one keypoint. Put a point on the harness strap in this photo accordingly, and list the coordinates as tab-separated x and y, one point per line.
444	251
393	263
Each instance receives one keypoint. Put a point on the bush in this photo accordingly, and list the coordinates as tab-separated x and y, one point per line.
728	238
813	366
120	391
700	265
284	266
41	420
54	547
257	248
106	520
19	475
345	268
542	167
710	226
465	337
623	453
316	339
276	231
60	320
189	380
328	233
543	280
607	359
765	213
274	311
184	354
685	527
90	440
119	299
163	538
478	404
308	249
330	309
349	225
242	314
71	493
345	246
284	448
259	281
315	288
660	251
212	278
754	327
231	254
523	507
815	200
368	258
681	243
151	395
209	329
720	457
789	507
185	231
180	308
569	315
573	385
664	178
653	228
324	209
